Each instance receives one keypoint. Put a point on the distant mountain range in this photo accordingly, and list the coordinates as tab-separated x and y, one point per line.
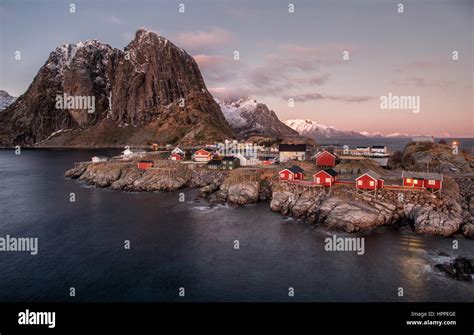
5	100
312	129
248	117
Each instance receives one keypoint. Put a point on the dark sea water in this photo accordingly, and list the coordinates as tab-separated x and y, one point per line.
189	244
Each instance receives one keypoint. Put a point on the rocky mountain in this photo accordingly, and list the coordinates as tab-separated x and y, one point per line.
151	92
315	130
5	100
247	117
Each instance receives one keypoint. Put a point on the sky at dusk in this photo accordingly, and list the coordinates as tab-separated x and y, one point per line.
283	55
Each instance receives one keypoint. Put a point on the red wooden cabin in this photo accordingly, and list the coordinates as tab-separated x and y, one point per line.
292	173
176	157
369	181
143	165
418	180
325	177
325	159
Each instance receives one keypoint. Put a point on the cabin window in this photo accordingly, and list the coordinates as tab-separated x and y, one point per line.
359	182
328	180
282	175
408	180
318	180
290	176
415	181
372	183
431	182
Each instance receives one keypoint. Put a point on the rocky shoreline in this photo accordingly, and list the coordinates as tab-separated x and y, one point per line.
461	268
343	209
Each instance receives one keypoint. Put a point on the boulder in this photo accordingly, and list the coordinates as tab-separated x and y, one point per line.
243	193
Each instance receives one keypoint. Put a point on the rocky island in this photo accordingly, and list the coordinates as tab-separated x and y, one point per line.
341	208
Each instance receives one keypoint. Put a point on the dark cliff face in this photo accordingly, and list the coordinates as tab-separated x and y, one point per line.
151	92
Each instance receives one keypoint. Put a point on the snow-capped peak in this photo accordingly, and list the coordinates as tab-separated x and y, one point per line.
307	125
143	35
247	116
66	52
371	134
397	135
235	110
312	129
5	100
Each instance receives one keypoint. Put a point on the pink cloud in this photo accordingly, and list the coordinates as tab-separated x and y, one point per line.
424	82
208	61
228	93
320	96
200	40
218	68
318	78
302	55
420	64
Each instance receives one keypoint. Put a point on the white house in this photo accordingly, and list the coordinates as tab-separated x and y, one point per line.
178	151
132	153
98	159
292	152
379	149
247	161
362	149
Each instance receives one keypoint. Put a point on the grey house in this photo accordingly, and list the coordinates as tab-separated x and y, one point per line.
214	164
230	162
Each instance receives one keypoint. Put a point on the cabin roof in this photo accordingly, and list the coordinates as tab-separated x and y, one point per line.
422	175
229	158
330	172
324	151
214	162
292	147
378	147
371	174
296	169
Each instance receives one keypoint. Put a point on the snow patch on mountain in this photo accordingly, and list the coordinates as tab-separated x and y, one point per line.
312	129
5	100
247	117
398	135
63	56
